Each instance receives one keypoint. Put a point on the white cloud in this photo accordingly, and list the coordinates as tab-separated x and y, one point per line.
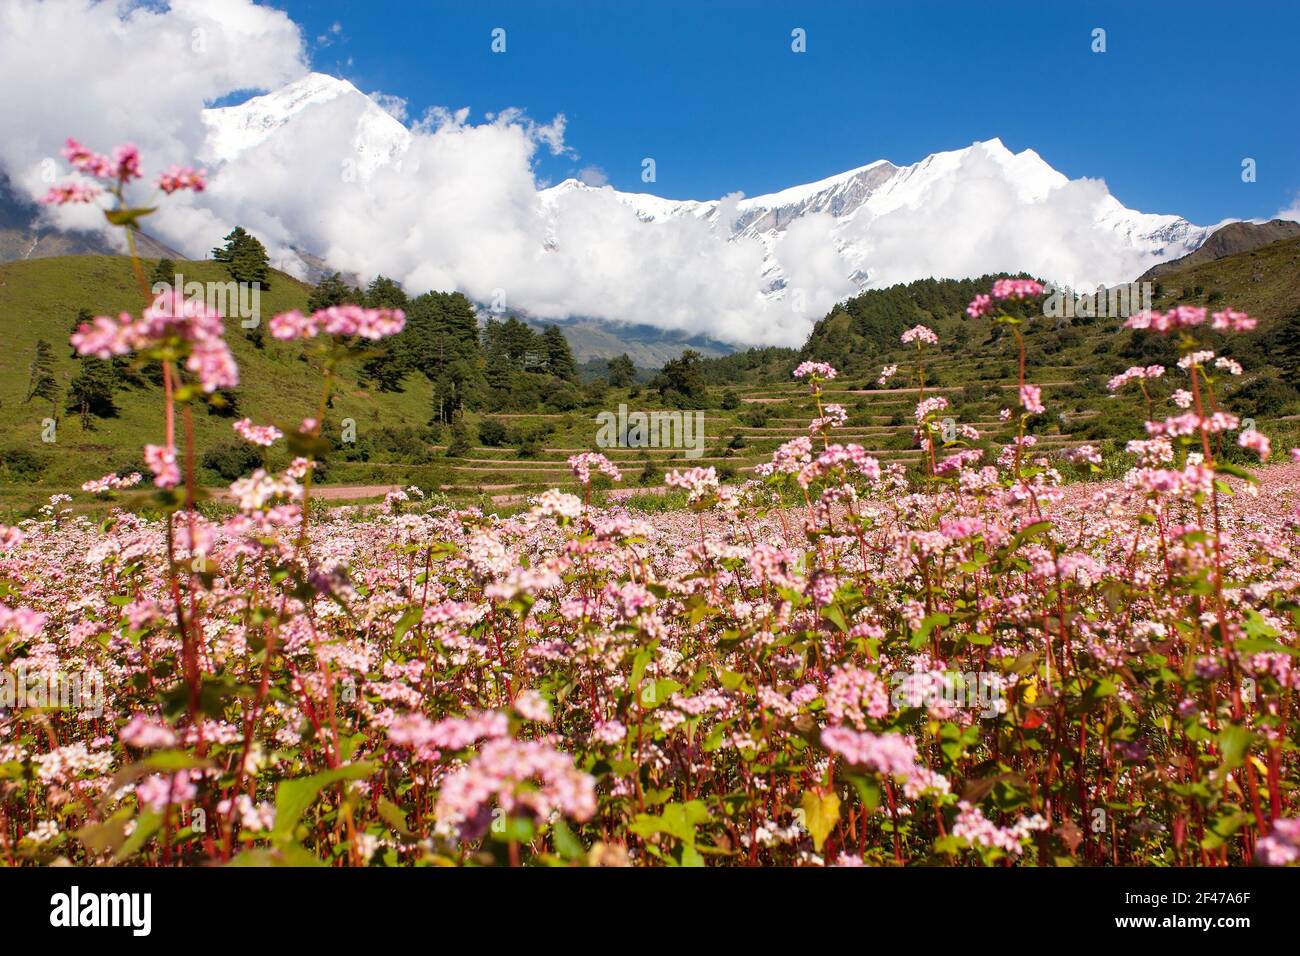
394	106
593	176
117	71
449	203
994	211
1292	211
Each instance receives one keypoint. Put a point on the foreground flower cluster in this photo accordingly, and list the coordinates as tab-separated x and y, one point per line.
836	664
886	676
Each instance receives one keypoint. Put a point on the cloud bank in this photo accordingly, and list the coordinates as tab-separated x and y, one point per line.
449	203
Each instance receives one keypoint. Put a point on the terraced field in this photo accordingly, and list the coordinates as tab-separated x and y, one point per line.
735	440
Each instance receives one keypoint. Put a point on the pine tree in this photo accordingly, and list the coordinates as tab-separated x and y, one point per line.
558	357
520	343
386	293
496	360
390	360
90	393
233	238
621	372
681	381
164	272
1286	346
84	317
245	257
40	374
332	290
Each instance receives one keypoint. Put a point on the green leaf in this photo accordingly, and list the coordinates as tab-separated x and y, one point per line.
868	790
393	815
146	825
1234	741
833	614
677	819
293	797
406	622
566	843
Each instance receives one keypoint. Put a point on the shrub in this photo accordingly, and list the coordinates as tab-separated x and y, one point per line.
230	460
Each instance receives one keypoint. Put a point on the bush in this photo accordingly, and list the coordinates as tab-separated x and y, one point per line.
20	465
458	447
492	432
232	460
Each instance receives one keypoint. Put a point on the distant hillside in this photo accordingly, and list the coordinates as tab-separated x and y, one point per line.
645	345
1264	281
867	326
1234	238
40	298
22	236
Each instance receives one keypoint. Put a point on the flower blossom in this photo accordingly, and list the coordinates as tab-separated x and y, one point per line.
264	435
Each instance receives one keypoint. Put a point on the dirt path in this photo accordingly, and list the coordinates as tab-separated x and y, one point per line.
332	492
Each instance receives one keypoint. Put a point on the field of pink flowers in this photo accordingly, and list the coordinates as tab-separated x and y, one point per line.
835	664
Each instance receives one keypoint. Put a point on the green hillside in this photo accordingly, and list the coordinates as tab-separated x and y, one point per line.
512	436
40	299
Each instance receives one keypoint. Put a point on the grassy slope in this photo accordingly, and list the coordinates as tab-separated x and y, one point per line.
40	298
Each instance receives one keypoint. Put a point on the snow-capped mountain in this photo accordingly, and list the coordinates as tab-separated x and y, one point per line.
856	198
326	171
378	139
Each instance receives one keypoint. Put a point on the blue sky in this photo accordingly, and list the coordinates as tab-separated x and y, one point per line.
714	93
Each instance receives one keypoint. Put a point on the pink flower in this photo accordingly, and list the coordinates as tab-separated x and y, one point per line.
111	482
175	178
699	482
582	466
1257	442
162	462
143	731
1017	289
609	732
344	321
126	161
170	319
293	325
530	778
815	370
213	363
70	192
104	337
975	829
264	435
1230	320
86	161
980	306
156	792
1186	317
1031	397
1282	844
1135	373
533	706
921	335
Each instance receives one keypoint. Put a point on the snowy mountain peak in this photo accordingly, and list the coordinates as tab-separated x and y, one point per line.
232	130
637	257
